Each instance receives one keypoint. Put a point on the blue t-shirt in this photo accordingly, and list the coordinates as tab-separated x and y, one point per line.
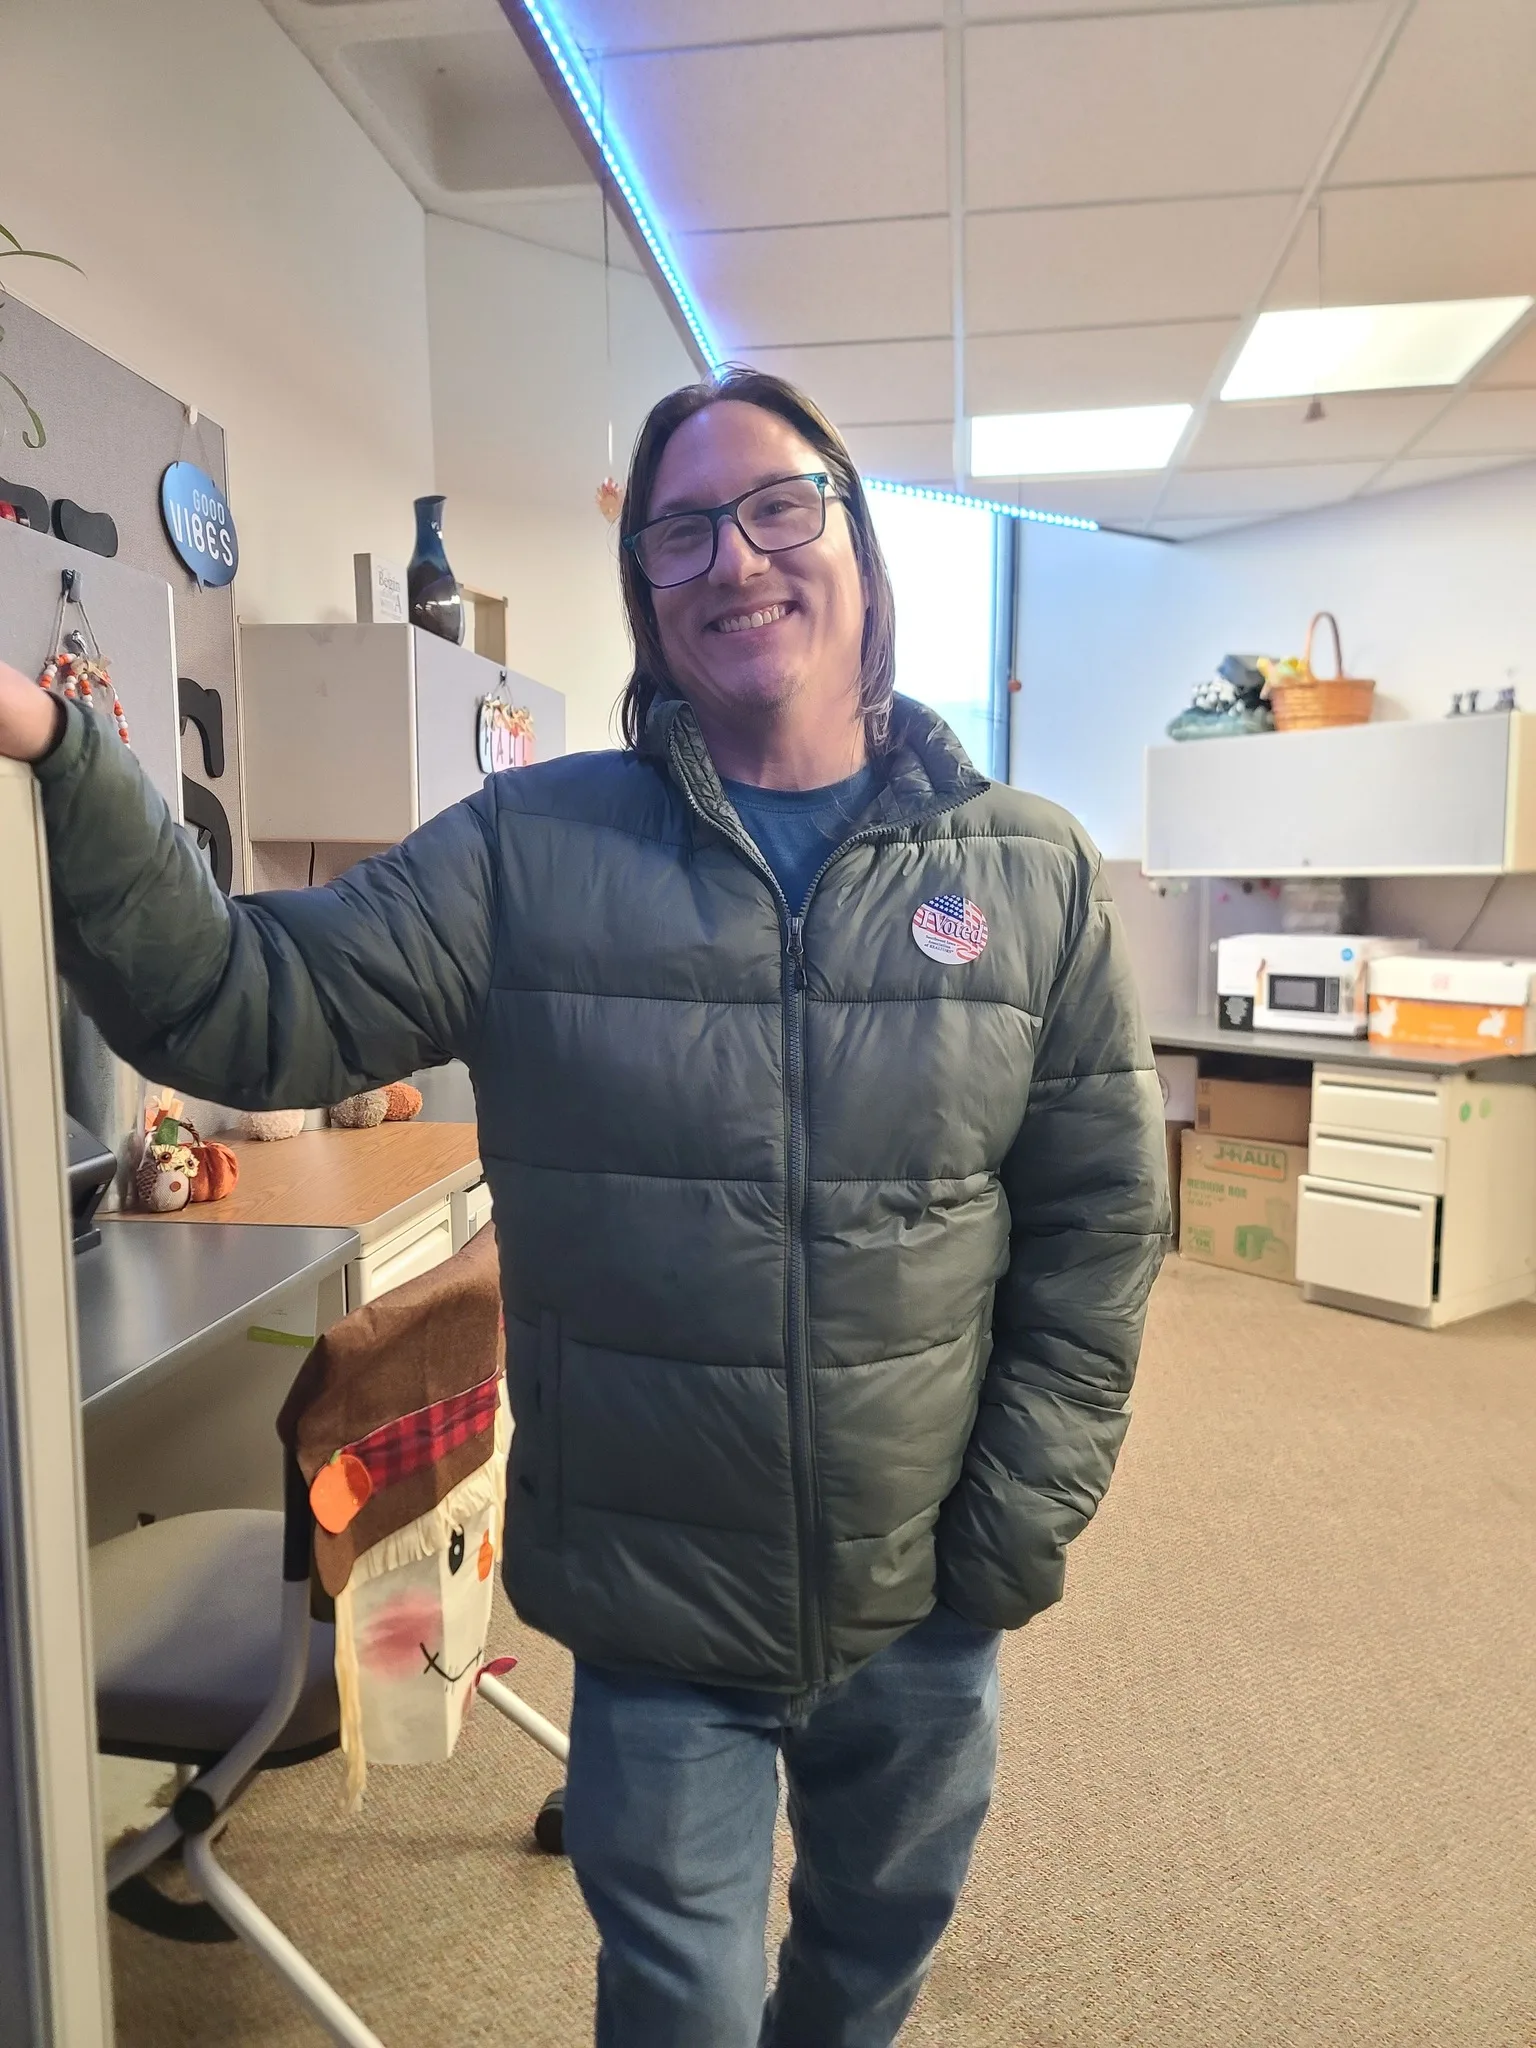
797	829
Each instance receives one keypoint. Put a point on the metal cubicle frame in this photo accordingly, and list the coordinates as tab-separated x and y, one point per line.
53	1946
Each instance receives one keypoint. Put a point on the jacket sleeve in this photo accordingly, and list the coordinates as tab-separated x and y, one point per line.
285	1000
1086	1182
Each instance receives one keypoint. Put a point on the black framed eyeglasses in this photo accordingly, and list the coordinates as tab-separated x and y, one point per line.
771	519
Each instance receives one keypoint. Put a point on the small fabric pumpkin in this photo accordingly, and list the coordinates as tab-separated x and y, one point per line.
361	1112
404	1102
218	1170
271	1124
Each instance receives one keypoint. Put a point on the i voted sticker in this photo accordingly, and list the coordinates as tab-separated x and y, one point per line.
950	929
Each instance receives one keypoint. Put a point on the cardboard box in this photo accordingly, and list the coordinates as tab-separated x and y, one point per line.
1174	1132
1280	1111
1469	1003
1237	1203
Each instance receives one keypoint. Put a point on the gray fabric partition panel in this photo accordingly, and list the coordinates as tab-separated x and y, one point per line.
108	435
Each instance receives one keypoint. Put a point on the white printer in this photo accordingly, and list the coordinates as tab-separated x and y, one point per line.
1298	981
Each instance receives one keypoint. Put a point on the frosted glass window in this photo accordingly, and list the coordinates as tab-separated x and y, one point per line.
942	560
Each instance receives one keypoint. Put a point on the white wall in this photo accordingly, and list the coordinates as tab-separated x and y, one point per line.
1435	591
521	397
245	247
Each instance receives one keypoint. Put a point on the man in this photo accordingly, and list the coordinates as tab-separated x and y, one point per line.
827	1161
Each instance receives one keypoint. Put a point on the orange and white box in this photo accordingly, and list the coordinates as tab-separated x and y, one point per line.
1450	999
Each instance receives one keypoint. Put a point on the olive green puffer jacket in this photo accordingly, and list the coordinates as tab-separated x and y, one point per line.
824	1260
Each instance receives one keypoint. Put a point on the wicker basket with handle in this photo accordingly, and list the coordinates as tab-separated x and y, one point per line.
1304	702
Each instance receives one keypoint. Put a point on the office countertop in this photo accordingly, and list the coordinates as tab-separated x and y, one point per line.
368	1181
149	1300
1204	1034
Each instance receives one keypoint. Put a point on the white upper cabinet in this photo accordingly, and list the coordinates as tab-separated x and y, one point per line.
362	733
1457	796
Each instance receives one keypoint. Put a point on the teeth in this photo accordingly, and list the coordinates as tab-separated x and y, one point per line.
744	620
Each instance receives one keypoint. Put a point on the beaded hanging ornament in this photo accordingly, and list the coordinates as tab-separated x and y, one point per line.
77	667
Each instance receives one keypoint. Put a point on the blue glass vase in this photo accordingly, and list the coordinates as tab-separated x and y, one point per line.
436	601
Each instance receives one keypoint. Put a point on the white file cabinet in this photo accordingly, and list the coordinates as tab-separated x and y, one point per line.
471	1212
416	1247
1420	1199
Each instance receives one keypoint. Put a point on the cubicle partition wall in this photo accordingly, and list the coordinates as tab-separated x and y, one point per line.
53	1977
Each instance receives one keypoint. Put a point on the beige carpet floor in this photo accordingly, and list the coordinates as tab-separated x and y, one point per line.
1269	1773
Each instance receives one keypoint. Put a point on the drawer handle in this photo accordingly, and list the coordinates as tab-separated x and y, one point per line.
1360	1144
1365	1201
1364	1091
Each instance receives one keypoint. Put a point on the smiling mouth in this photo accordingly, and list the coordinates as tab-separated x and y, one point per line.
750	622
448	1677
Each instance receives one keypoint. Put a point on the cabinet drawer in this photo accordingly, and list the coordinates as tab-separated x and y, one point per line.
423	1244
1362	1241
1393	1106
471	1212
1414	1165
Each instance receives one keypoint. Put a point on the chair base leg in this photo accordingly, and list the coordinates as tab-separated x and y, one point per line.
273	1946
521	1715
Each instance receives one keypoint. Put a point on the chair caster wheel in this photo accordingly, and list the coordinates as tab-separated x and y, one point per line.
549	1827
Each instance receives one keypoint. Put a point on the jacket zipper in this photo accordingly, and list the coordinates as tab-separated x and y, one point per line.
797	1306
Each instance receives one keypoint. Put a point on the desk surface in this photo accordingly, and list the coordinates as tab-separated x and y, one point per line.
149	1300
342	1180
1204	1034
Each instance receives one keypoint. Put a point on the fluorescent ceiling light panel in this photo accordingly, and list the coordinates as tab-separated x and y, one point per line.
1368	348
1113	439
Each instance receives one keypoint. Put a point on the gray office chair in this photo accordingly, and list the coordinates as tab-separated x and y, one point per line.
206	1655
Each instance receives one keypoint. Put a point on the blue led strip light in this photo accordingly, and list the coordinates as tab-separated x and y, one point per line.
572	67
584	95
996	505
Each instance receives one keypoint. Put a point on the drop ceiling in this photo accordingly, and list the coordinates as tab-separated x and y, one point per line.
914	207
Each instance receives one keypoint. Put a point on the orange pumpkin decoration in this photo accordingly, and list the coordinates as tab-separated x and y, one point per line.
404	1102
217	1172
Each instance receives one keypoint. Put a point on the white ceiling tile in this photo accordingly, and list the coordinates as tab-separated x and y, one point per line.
1414	470
1093	366
782	133
1457	98
1389	244
1513	365
1112	500
1193	529
874	281
903	455
876	382
1367	427
1485	423
612	25
1256	493
1215	101
1193	259
1024	10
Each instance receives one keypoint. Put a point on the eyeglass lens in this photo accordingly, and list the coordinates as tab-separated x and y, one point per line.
779	516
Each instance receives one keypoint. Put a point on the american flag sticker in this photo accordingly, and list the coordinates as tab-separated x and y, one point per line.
950	929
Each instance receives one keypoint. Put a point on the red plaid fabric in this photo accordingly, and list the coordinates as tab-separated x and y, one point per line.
398	1449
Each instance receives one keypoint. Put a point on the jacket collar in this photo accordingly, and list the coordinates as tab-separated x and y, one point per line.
927	771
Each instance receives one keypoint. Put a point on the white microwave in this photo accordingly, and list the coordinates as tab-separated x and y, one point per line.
1298	981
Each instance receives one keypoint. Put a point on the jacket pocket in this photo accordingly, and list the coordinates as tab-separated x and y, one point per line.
549	1479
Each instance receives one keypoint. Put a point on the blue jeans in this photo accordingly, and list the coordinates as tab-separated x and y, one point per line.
672	1794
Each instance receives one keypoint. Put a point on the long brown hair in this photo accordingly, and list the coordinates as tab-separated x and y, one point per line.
877	675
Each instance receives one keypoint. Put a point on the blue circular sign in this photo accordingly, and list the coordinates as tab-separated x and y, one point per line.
199	523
